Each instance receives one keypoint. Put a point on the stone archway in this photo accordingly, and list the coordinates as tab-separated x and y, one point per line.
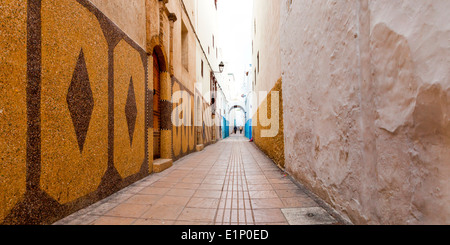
237	107
159	40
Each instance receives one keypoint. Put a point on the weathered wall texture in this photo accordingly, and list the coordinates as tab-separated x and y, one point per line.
366	101
73	109
273	147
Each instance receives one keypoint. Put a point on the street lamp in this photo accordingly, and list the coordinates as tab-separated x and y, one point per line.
221	67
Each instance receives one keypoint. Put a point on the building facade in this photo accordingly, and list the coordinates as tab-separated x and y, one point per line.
267	120
209	57
87	100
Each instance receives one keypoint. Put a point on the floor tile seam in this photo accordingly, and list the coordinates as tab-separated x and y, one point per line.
233	184
230	177
80	218
150	206
159	198
249	197
233	189
196	220
222	192
126	191
170	188
168	220
92	223
122	216
227	186
190	199
242	176
271	184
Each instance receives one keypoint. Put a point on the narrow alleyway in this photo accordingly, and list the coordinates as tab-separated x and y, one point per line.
228	183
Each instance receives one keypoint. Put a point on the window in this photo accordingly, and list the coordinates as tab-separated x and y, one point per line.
257	62
202	68
184	46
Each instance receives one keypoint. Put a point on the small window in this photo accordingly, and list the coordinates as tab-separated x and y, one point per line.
202	68
258	61
184	46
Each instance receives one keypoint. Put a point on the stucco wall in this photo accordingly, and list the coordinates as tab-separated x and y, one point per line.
365	89
266	43
185	75
206	25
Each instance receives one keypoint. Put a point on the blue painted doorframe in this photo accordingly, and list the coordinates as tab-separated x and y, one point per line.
225	128
248	129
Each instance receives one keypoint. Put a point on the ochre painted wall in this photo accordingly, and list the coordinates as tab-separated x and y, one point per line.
129	90
13	104
72	97
273	147
74	101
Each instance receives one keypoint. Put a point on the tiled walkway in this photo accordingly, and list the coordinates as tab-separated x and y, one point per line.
230	182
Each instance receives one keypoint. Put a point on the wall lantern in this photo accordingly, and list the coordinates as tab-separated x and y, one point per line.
221	67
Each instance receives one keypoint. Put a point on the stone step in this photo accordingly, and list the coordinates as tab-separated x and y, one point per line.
159	165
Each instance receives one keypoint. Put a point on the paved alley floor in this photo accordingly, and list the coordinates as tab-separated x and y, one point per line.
229	183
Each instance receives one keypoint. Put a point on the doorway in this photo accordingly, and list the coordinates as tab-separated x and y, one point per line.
156	108
198	124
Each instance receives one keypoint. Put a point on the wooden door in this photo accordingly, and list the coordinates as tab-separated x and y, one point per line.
156	109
